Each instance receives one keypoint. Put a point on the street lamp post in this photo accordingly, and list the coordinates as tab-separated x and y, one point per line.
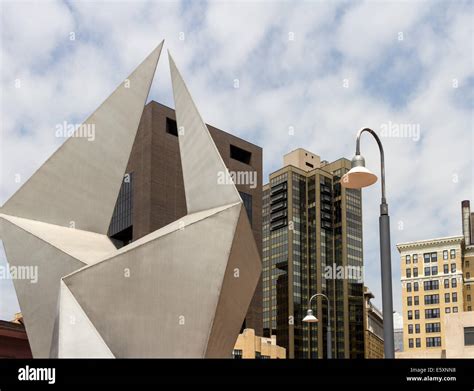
359	176
310	318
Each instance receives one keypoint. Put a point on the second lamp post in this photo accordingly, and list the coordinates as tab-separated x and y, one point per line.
310	318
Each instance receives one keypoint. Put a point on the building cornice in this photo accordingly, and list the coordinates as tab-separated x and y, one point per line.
469	251
430	242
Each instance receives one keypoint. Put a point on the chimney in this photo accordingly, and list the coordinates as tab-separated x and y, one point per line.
466	221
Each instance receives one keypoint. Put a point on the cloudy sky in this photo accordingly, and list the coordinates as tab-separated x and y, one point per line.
323	69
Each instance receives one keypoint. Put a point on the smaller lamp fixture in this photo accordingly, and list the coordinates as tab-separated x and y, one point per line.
310	318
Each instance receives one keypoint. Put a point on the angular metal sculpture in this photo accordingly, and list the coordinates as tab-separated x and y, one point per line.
181	291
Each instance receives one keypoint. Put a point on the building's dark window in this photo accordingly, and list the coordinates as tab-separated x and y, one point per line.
171	127
247	200
407	259
121	224
446	282
410	315
415	286
447	310
432	313
416	300
418	342
445	254
453	268
434	257
415	258
431	285
446	298
452	254
417	314
468	336
426	258
309	165
431	299
427	271
415	272
454	282
240	154
433	342
433	327
446	269
410	343
410	329
455	309
409	287
454	297
408	273
417	328
434	270
237	353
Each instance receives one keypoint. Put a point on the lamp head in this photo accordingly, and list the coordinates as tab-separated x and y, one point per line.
358	176
310	318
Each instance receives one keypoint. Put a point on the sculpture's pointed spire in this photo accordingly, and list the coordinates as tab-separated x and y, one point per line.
79	184
206	181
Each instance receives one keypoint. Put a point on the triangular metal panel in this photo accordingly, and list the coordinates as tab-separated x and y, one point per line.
80	182
77	336
205	175
85	246
28	255
163	293
240	280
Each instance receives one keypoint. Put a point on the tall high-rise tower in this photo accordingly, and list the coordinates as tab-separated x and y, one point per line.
312	243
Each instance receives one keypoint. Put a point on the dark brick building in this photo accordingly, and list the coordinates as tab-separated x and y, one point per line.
152	194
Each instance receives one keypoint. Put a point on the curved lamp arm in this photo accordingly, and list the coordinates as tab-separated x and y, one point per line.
329	306
385	255
328	330
383	206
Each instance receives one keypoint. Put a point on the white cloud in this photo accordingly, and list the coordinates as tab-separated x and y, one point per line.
236	28
367	28
32	30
